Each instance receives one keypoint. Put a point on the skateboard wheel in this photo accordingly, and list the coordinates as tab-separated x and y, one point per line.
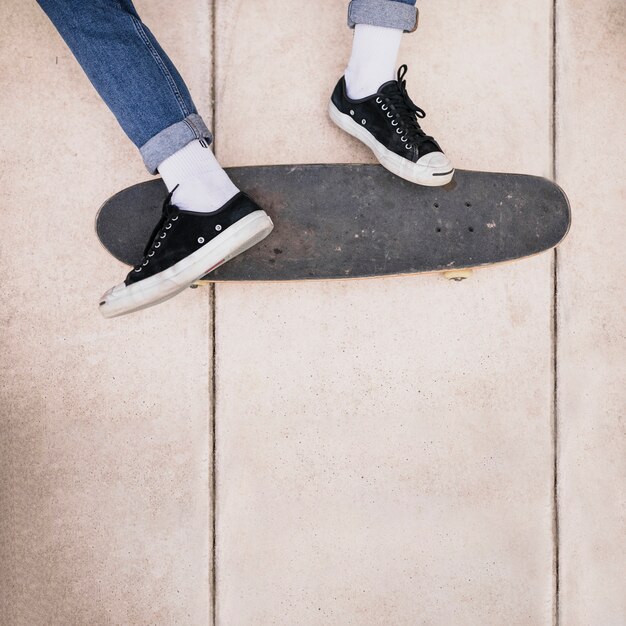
457	275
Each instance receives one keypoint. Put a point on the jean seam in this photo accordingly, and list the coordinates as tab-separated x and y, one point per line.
155	55
193	130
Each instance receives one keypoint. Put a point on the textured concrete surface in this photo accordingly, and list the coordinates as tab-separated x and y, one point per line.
104	439
390	460
384	449
592	340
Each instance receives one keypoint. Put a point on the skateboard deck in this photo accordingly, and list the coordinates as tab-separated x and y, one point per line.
354	221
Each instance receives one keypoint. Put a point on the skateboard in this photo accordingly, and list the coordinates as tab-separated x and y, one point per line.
341	221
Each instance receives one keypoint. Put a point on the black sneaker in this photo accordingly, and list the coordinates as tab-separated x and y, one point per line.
386	122
184	247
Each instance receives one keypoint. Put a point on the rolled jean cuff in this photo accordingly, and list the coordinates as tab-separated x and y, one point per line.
171	139
399	15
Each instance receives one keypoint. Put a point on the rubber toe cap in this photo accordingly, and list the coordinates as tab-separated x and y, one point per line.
436	161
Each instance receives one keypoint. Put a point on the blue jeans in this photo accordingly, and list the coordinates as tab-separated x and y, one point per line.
137	80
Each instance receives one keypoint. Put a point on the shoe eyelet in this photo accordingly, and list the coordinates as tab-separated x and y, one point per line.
394	123
151	253
399	131
200	239
408	146
384	107
138	270
174	218
145	263
351	112
404	139
162	236
157	244
168	227
218	227
389	114
363	122
378	100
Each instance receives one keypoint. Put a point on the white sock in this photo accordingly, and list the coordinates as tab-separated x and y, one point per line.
203	186
373	59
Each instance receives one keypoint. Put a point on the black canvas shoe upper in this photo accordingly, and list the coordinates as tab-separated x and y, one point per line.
180	233
390	115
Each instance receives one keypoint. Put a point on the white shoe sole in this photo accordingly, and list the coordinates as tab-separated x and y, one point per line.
421	173
236	239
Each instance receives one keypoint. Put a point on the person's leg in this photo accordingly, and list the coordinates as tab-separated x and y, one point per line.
370	103
131	73
206	220
142	87
378	27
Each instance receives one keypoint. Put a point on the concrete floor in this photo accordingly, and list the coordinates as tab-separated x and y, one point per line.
389	452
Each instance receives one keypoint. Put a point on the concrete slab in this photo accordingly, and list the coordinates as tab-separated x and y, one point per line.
384	447
591	127
104	441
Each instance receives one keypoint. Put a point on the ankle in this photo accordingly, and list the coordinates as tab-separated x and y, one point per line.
200	183
373	59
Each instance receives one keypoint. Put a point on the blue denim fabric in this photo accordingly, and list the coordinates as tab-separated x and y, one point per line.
137	80
131	72
399	14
